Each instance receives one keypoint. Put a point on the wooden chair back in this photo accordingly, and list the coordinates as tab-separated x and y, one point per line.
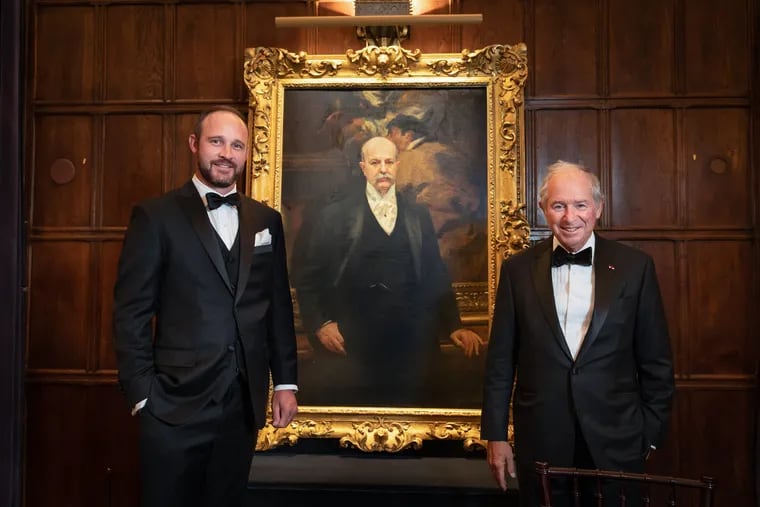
668	491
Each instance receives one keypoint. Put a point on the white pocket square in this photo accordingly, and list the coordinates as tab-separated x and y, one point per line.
262	238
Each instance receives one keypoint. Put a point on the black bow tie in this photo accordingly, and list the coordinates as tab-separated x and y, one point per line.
560	257
215	200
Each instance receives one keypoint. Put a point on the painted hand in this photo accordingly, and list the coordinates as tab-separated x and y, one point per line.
331	339
468	341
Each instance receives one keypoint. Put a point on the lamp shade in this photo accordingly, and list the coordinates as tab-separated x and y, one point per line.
382	7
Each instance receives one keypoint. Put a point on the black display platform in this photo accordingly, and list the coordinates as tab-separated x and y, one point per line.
344	478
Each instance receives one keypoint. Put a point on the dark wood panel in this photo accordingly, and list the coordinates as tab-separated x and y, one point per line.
260	29
717	168
56	434
666	263
132	164
83	442
503	23
108	258
111	453
716	434
717	46
643	168
206	63
184	165
63	174
59	305
566	47
64	64
335	40
135	52
642	47
434	39
570	135
720	335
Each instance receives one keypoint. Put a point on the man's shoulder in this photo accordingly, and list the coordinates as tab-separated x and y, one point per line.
530	252
407	198
258	206
338	199
169	198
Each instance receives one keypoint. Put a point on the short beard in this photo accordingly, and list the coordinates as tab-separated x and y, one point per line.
216	182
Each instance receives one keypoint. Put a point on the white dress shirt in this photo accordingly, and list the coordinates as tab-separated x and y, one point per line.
384	207
574	297
224	219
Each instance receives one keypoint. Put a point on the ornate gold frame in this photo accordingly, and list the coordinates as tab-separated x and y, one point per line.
502	70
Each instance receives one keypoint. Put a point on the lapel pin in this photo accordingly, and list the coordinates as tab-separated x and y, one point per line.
611	267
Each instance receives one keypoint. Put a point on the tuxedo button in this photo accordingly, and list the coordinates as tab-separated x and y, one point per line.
231	348
575	370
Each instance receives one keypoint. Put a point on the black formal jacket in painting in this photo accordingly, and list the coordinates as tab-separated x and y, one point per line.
330	255
172	268
621	383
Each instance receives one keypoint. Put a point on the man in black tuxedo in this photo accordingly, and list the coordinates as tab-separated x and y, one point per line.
374	291
579	323
202	316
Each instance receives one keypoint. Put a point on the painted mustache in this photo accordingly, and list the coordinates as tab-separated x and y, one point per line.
384	176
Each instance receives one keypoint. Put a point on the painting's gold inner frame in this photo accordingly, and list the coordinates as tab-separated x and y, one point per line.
502	70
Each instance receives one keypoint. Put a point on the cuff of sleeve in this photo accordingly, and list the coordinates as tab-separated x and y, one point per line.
139	406
286	387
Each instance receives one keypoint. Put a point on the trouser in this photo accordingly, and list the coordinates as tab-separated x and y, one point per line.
203	462
588	490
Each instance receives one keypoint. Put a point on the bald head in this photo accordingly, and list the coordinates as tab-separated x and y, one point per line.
379	163
378	143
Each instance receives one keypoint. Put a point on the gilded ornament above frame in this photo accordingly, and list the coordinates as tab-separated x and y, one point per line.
499	70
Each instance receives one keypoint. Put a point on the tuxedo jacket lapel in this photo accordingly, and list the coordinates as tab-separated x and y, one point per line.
193	207
249	225
542	278
411	222
353	209
606	287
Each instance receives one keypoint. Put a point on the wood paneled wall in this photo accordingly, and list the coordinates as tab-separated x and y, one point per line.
655	95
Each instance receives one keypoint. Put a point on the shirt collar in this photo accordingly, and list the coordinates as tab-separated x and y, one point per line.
415	143
374	197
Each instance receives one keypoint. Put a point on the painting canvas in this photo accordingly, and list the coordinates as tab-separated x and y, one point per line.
456	123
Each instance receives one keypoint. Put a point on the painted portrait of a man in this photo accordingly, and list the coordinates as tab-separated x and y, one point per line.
384	195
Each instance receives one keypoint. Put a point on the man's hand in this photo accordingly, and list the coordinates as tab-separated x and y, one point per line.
501	461
284	407
468	341
331	339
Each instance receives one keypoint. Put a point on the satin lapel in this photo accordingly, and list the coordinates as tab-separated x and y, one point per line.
193	207
542	278
248	226
355	219
606	287
413	229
